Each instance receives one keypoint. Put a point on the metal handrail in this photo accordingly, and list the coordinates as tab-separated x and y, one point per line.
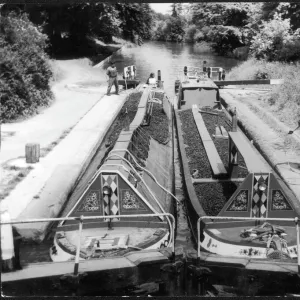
82	218
251	219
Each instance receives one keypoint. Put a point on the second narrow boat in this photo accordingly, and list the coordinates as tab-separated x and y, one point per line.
226	176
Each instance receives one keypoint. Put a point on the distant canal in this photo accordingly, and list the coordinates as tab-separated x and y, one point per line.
153	56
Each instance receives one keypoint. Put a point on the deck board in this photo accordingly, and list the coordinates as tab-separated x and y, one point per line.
211	151
252	160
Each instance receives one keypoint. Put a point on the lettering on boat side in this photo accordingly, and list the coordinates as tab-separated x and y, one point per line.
91	202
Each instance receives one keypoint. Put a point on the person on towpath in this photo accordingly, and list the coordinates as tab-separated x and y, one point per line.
112	78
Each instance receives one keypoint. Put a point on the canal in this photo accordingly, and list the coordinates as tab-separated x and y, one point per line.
149	57
164	56
153	56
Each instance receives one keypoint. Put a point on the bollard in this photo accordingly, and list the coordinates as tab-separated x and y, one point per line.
160	83
159	75
234	121
32	153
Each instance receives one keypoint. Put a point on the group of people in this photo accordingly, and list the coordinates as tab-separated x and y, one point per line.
112	74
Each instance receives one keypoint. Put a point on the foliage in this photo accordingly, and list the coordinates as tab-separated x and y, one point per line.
284	98
225	25
225	38
136	19
287	10
275	40
25	72
71	27
190	33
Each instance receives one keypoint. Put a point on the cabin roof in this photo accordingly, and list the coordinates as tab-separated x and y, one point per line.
203	83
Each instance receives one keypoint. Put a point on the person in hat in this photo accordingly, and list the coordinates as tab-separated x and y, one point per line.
112	78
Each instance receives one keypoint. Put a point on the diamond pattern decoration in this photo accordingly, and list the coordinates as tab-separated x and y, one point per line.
111	180
260	198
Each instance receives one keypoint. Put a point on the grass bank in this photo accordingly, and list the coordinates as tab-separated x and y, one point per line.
284	99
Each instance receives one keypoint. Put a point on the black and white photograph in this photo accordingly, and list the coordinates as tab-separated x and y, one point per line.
149	149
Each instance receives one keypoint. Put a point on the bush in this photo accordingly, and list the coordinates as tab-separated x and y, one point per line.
276	41
284	98
225	38
190	32
25	72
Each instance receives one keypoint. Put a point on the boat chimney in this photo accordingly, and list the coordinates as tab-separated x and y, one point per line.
234	121
160	83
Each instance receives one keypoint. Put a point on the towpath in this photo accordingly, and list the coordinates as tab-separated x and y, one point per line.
270	134
69	132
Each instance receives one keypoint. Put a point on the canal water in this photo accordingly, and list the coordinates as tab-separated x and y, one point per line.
153	56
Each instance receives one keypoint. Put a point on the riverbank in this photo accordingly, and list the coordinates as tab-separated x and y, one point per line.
282	101
79	101
268	132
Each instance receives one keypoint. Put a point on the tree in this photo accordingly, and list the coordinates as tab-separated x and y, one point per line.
25	72
276	40
135	19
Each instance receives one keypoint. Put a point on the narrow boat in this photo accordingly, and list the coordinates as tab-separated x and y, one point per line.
135	178
226	176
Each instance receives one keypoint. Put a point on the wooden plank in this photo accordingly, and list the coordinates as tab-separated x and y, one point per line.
211	151
224	132
245	82
212	180
252	159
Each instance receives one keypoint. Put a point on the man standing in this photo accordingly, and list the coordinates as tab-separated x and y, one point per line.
112	78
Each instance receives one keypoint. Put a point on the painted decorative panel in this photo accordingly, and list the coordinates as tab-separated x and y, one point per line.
260	198
279	201
91	202
240	203
129	201
111	206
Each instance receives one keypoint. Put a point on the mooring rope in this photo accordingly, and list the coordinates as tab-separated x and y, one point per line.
162	209
147	171
154	161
